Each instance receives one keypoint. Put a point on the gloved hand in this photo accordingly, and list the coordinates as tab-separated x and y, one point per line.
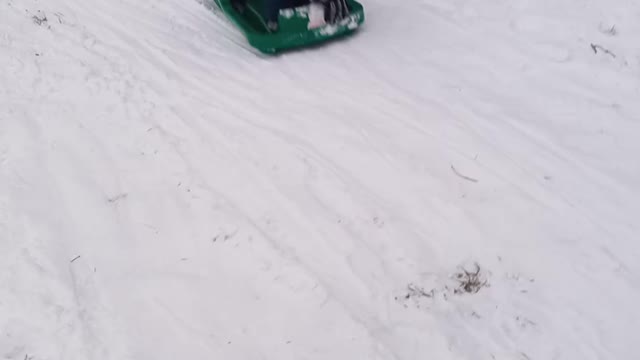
334	10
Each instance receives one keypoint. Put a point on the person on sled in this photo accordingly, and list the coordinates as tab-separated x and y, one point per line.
334	10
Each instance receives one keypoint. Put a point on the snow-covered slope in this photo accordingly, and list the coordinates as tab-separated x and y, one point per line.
166	194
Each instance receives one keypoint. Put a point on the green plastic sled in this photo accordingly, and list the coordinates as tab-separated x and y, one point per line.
294	31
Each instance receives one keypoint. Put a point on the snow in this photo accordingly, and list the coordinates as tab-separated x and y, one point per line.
287	13
167	194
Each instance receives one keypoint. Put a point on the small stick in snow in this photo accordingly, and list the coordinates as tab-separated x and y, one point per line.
463	176
59	16
595	48
117	197
75	258
40	20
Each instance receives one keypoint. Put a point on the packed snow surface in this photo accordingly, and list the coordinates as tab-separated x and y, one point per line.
459	180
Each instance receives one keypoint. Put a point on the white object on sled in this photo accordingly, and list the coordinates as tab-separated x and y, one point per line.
316	16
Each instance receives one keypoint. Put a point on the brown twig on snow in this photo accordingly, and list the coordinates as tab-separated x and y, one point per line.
470	282
39	20
596	47
117	197
463	176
